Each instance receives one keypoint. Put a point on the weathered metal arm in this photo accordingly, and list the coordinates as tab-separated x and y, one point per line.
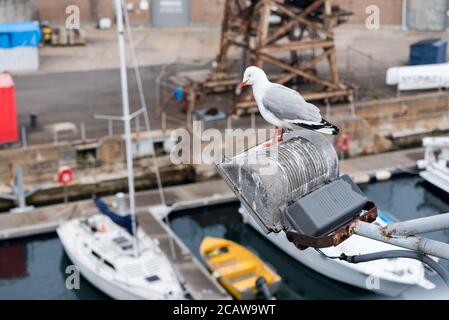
417	226
415	243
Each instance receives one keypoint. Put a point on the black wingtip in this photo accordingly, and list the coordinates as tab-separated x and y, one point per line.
335	129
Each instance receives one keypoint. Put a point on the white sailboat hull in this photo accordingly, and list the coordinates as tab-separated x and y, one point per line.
115	291
342	271
127	280
436	177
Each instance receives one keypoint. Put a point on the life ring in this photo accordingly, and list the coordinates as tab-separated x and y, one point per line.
343	142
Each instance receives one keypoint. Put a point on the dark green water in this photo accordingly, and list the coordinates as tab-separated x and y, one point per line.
34	268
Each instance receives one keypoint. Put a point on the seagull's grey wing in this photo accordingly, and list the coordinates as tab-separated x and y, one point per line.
287	104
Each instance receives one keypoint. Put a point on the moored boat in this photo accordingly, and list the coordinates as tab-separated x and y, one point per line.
106	256
389	277
436	162
239	270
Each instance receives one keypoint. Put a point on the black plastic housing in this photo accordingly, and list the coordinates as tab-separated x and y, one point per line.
327	208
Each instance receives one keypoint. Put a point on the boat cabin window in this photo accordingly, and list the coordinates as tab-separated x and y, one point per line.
96	255
106	262
110	265
152	278
123	242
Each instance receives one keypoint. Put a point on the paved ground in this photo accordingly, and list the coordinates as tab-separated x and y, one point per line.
75	83
157	46
154	46
77	96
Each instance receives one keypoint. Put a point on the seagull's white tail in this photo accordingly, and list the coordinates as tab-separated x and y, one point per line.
329	128
323	127
327	131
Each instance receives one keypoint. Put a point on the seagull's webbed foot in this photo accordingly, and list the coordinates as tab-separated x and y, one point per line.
281	137
273	141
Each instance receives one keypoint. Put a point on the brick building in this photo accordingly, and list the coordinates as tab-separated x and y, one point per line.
194	12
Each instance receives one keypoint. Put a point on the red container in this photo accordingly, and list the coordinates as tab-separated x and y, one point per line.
8	114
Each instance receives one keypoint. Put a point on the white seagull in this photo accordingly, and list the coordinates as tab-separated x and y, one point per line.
283	107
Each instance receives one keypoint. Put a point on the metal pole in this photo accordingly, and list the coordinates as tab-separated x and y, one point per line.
127	121
20	191
24	137
137	71
147	123
347	63
422	245
328	109
418	226
404	15
189	119
229	122
110	128
352	106
370	71
158	95
137	126
164	121
253	120
83	131
66	196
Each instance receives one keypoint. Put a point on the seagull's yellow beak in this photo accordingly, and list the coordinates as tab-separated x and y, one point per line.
242	84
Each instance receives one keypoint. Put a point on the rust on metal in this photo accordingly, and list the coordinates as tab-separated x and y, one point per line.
288	38
301	241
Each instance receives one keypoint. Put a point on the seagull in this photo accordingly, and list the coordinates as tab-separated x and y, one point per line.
283	107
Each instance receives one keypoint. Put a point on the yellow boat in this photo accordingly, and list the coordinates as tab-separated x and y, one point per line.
238	269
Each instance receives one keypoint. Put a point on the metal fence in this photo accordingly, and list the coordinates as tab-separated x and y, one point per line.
366	73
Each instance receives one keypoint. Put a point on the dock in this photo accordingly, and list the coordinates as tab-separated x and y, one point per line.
381	166
197	280
45	219
195	277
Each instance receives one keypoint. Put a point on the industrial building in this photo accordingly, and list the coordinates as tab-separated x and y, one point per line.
415	14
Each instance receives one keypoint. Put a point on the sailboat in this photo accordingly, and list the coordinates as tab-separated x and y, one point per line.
108	247
436	162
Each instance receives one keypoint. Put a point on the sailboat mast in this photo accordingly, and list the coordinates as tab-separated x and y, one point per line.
127	119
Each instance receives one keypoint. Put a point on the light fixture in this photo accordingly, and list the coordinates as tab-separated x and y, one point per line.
295	187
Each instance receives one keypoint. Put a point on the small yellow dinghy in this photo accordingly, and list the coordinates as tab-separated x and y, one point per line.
238	270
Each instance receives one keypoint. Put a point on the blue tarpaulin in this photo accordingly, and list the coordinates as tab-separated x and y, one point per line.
123	221
20	34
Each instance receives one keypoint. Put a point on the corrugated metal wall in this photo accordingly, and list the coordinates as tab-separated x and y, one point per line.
427	15
17	10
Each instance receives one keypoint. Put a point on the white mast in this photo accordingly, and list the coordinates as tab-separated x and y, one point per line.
127	120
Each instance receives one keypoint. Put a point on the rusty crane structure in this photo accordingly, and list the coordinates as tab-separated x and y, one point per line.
288	38
291	35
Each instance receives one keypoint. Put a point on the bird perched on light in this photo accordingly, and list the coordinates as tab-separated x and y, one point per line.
283	107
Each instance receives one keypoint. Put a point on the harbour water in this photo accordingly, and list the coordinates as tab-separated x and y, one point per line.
34	268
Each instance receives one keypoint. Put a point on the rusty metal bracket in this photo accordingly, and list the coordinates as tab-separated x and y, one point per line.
336	237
